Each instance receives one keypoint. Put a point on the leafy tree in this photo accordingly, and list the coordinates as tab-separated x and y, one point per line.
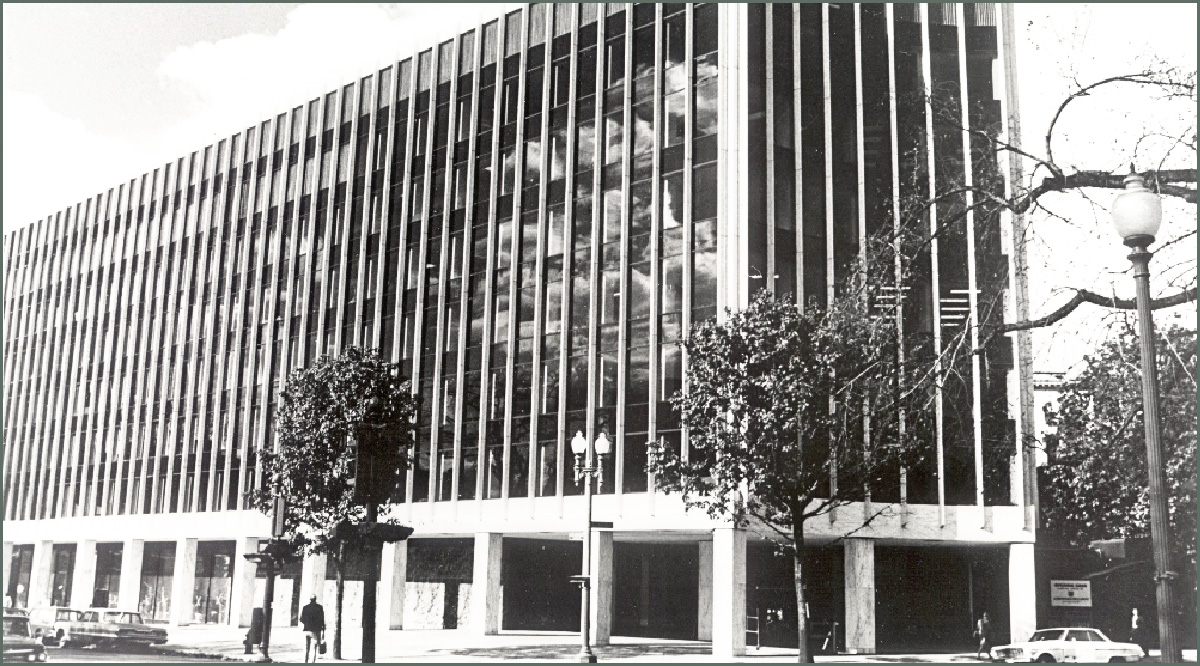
317	427
791	412
1095	486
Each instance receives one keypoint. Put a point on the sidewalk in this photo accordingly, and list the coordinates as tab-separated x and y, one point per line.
287	645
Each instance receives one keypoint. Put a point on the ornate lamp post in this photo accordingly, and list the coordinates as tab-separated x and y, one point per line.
1137	214
589	462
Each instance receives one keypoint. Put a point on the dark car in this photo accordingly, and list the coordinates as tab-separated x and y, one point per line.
19	645
112	627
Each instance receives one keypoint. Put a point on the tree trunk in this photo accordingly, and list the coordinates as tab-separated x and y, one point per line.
803	656
337	603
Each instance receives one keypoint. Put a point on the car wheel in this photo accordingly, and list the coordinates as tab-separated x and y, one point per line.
1046	659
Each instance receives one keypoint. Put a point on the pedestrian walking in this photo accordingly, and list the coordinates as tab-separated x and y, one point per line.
312	619
1135	629
983	633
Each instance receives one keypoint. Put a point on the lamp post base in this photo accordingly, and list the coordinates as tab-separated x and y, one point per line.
587	658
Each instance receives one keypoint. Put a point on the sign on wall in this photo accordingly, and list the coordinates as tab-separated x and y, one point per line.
1077	593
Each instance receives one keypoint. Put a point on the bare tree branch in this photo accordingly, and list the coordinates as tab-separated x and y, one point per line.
1084	296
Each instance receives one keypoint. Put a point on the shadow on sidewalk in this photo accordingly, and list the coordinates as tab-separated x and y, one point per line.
569	650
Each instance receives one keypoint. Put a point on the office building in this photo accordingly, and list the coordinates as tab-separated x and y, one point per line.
528	216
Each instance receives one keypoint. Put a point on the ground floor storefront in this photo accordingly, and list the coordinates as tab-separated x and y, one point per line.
723	585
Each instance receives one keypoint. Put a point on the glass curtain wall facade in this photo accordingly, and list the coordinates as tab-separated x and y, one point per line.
526	217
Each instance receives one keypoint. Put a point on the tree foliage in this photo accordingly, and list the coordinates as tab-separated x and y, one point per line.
1095	486
318	426
320	409
776	411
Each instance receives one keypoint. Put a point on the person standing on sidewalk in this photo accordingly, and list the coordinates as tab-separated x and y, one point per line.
983	632
312	619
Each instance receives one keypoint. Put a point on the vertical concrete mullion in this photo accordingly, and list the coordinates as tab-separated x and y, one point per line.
339	302
689	235
827	95
656	229
769	276
596	279
565	300
229	192
265	303
419	314
190	324
539	290
249	320
628	130
38	362
402	257
485	375
128	307
274	255
201	380
897	230
513	294
798	142
464	310
222	335
69	361
440	326
972	275
50	404
385	219
269	301
42	480
331	190
366	105
100	453
936	299
131	399
311	186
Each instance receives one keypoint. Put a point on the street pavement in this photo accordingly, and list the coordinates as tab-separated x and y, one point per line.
217	643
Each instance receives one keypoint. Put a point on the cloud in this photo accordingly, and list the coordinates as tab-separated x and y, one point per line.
232	83
51	161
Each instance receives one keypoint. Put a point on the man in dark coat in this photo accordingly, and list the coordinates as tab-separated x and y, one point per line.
312	619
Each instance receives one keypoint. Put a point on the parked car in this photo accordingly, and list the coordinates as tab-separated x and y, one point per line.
19	643
1068	644
53	624
112	627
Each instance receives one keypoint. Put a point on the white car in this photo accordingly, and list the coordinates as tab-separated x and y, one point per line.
1077	645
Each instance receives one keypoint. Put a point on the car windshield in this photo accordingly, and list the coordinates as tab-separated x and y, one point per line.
1046	635
123	618
16	626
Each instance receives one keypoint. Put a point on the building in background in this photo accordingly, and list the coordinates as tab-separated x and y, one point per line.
528	216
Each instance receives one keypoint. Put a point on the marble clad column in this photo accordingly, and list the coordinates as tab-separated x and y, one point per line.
393	574
704	606
42	575
184	583
1022	592
129	593
860	596
83	581
729	592
602	587
312	580
241	594
485	584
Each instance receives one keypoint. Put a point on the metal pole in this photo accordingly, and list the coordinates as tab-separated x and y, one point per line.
1155	463
369	589
585	651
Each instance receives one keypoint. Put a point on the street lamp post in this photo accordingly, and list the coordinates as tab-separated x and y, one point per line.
589	462
1137	213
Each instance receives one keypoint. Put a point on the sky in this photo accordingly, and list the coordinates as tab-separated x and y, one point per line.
99	93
